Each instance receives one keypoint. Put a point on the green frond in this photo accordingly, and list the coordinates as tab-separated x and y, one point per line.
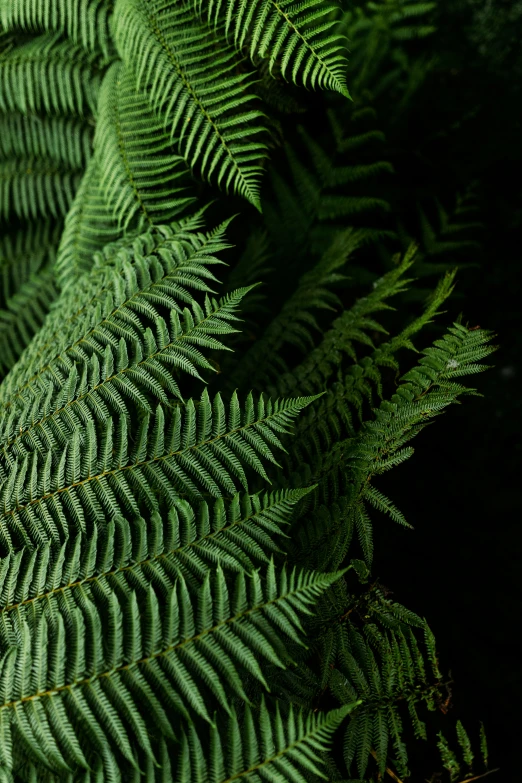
64	141
380	444
50	75
86	22
89	226
115	674
381	669
282	749
198	88
295	323
34	188
26	286
140	176
237	534
119	353
298	37
24	313
192	449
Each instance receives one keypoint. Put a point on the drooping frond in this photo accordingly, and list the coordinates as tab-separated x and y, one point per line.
193	449
26	286
282	749
129	556
65	141
140	176
297	37
34	187
115	674
50	75
86	22
198	88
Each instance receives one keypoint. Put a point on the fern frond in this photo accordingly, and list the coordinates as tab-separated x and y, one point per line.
50	75
113	677
238	534
140	174
381	443
195	449
282	749
296	36
124	357
34	188
295	323
86	22
89	226
65	141
197	88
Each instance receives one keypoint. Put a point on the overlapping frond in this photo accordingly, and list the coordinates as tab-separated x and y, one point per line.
26	286
141	175
189	450
86	22
126	556
110	677
66	141
380	444
50	75
297	37
88	227
34	187
199	89
274	747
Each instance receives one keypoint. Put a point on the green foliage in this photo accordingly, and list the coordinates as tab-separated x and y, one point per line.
189	462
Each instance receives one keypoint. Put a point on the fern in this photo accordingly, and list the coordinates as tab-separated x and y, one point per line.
296	36
144	662
140	173
51	75
214	126
86	22
189	462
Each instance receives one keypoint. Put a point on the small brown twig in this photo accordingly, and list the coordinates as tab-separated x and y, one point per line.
390	772
478	777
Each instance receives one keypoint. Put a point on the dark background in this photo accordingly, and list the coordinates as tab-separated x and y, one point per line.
460	568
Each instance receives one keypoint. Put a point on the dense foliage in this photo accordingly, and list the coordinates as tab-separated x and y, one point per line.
190	461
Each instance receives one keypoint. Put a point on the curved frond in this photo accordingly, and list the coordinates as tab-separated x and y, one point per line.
65	141
195	449
140	176
297	36
115	675
88	227
51	75
86	22
198	88
33	188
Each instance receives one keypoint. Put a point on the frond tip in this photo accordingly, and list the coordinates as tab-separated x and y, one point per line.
294	35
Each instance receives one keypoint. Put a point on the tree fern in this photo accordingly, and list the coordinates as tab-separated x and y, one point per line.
188	462
215	127
141	175
85	21
51	75
296	36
